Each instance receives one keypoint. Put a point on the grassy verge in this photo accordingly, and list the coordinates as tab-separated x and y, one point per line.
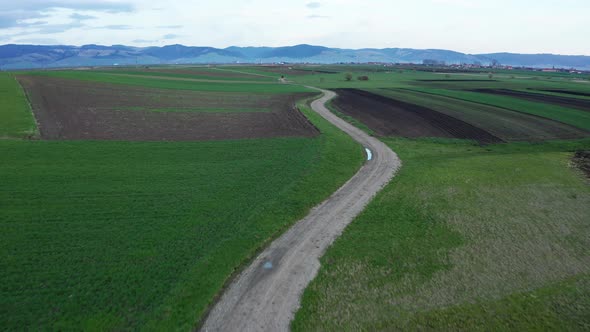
139	235
464	238
16	119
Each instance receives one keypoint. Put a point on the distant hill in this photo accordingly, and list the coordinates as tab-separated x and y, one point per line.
34	56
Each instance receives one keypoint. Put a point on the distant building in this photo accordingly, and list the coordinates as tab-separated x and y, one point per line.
430	62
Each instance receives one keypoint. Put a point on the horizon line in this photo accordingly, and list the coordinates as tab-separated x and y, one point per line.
295	45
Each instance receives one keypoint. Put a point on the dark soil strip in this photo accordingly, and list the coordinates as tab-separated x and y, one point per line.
580	104
567	92
449	80
582	161
390	117
70	109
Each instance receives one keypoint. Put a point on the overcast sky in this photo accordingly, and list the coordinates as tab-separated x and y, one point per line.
470	26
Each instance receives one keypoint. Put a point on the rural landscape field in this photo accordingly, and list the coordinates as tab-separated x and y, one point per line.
132	197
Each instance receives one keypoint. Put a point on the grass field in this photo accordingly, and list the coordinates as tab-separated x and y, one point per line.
115	235
120	235
16	119
577	118
464	238
191	72
177	83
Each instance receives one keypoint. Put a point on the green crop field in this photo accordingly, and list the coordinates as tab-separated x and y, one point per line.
464	238
16	119
190	72
115	235
570	116
139	235
177	83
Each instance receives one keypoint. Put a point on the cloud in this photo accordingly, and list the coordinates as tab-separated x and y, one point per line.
35	6
38	41
13	12
317	16
13	18
170	36
313	5
80	17
48	29
144	41
116	27
170	27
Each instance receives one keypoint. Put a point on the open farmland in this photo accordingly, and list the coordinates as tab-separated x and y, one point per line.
503	123
121	233
15	116
417	104
390	117
464	238
212	73
581	104
511	95
73	109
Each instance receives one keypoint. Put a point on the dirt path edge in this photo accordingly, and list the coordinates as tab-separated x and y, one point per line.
266	295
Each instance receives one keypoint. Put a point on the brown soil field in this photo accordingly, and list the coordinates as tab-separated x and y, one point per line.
72	109
580	104
390	117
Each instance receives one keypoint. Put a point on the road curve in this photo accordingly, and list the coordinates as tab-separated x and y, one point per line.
266	295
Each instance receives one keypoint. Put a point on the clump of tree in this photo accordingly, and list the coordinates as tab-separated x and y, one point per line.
363	78
348	76
490	75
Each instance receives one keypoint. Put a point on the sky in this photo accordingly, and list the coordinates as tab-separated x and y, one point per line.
469	26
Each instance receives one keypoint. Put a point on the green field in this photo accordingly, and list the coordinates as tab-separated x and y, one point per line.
199	109
16	119
143	235
464	238
114	235
176	83
570	116
189	72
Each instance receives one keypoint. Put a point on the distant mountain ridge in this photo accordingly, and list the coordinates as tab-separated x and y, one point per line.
35	56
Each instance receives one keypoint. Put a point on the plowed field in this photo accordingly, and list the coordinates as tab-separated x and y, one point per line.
72	109
390	117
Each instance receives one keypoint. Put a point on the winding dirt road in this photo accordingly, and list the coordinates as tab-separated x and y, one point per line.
266	295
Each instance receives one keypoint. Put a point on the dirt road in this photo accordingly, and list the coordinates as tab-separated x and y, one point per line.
266	295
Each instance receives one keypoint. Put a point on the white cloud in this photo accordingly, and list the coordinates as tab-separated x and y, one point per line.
473	26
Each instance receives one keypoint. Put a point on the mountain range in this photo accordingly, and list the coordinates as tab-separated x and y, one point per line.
35	56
